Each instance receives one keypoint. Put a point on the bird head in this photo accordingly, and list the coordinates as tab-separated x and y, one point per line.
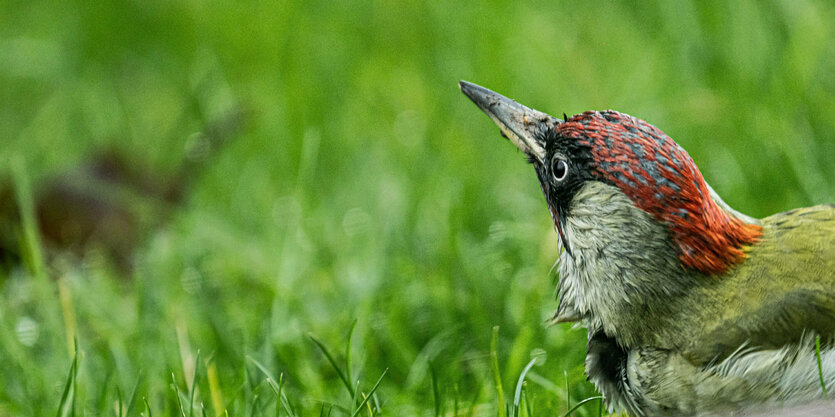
655	174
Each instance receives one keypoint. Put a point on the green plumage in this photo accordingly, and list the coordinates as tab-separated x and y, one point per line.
743	339
783	289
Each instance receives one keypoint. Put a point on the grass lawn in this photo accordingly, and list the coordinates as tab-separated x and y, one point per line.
365	240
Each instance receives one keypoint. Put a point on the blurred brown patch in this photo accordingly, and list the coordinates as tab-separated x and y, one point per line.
111	201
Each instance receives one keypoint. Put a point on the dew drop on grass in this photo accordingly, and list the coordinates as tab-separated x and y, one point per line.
498	232
356	222
198	146
191	280
27	331
287	211
541	355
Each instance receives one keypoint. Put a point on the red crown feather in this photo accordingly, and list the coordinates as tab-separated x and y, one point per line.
660	178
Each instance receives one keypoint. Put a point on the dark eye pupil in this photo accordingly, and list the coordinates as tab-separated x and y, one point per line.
559	169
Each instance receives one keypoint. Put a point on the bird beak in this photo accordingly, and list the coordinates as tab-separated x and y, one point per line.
522	125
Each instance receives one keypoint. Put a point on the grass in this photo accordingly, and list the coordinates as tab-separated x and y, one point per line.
351	250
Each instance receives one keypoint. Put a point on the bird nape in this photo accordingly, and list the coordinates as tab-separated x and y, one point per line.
691	307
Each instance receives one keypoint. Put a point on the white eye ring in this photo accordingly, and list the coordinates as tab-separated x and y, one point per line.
559	170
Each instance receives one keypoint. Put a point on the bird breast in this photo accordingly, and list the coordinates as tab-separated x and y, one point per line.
622	267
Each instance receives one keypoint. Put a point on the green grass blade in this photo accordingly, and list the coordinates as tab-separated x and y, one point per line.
103	403
435	392
497	376
277	388
147	406
518	394
67	405
528	406
193	384
119	401
332	361
177	394
322	410
370	393
580	404
820	367
375	402
474	401
567	391
31	247
356	395
600	407
348	350
332	406
278	395
455	401
254	405
133	392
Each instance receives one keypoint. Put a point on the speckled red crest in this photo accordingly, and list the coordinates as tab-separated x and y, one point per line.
660	178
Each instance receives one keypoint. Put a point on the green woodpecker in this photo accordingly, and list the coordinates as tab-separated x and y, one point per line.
691	307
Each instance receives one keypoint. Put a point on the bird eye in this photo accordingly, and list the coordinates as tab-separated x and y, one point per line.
559	169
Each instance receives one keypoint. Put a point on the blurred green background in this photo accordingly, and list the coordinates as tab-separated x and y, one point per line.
358	183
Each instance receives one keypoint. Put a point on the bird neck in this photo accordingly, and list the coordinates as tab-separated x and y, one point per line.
623	267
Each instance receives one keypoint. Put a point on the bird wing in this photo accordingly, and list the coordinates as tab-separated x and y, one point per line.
785	289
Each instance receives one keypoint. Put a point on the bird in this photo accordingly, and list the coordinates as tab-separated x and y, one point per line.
691	307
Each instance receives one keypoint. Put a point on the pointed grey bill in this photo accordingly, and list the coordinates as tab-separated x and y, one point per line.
522	125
